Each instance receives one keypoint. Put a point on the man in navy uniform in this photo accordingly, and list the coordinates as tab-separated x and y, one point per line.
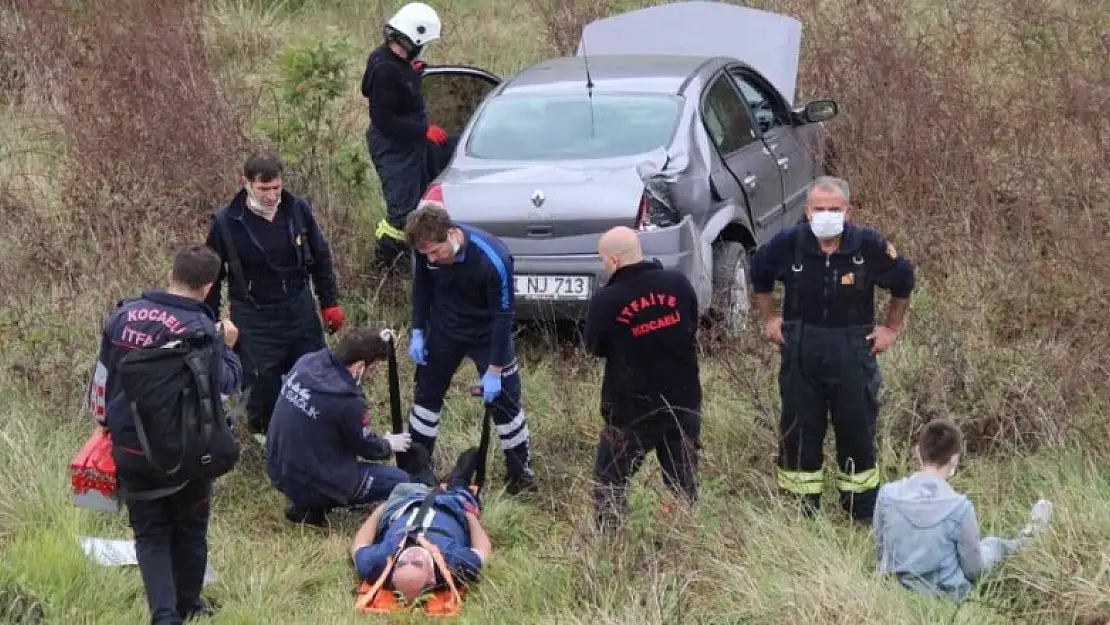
829	340
271	248
171	532
321	452
407	150
462	306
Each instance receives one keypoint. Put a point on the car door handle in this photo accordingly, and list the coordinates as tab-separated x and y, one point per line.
749	182
784	163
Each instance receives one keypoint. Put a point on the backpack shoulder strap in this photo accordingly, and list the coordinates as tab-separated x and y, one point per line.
235	268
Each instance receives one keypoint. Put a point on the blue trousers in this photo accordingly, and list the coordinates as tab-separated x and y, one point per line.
378	481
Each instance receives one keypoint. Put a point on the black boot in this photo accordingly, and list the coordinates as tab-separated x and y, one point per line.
306	516
521	484
392	254
462	476
417	462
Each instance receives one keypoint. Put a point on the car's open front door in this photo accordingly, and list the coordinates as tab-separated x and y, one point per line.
453	92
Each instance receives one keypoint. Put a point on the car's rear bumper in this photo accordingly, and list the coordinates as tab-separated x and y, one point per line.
672	247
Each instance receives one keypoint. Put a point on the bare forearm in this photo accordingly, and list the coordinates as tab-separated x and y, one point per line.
369	530
764	303
896	313
479	540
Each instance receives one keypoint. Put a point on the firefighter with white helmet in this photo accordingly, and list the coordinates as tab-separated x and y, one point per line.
406	149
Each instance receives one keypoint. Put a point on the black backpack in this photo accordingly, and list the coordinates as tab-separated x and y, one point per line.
178	412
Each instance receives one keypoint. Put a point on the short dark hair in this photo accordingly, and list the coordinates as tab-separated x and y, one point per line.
361	345
263	167
427	224
196	266
940	439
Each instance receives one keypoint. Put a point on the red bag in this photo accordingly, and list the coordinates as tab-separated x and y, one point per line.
93	476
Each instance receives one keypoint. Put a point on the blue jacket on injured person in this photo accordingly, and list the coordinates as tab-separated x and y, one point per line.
462	542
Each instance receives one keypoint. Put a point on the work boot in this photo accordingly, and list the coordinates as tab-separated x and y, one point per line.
417	462
521	484
199	610
465	468
391	254
306	516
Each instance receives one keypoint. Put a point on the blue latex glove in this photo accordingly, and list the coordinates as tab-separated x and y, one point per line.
491	386
416	347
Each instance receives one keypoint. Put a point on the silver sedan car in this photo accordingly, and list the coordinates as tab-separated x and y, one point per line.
693	139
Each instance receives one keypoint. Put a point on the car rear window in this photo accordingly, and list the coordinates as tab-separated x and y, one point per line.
559	127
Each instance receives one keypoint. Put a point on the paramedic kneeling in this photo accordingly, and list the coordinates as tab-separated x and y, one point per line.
450	527
321	427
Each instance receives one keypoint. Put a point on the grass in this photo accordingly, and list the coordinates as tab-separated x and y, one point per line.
996	190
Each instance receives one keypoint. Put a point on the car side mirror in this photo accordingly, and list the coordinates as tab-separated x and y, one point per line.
820	111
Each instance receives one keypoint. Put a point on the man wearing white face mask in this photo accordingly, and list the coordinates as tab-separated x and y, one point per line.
828	341
271	248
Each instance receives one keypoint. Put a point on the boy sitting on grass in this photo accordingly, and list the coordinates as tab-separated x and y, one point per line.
927	534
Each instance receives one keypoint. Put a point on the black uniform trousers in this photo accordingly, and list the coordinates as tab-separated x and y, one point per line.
676	441
171	543
432	381
829	372
404	169
271	339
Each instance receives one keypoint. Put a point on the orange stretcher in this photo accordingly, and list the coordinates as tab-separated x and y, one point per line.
375	598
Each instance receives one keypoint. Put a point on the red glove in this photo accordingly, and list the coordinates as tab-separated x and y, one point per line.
436	134
333	318
418	65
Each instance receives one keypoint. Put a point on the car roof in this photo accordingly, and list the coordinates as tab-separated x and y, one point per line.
646	73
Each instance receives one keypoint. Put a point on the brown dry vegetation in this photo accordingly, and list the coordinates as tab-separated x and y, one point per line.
975	135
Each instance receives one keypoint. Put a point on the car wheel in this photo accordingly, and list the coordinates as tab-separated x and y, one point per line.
731	285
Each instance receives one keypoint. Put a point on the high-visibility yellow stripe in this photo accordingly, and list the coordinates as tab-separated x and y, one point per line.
858	482
386	229
800	482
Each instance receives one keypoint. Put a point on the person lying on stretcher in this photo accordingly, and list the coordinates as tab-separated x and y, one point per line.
450	527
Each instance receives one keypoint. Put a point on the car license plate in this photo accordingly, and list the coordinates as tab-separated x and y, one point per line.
553	287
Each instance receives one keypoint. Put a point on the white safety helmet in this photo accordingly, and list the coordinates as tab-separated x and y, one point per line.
416	22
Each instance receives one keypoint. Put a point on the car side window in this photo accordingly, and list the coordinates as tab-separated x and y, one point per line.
726	116
760	102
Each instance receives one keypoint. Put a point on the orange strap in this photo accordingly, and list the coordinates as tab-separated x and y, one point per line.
374	599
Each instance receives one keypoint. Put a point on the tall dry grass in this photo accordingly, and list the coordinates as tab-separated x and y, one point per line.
974	136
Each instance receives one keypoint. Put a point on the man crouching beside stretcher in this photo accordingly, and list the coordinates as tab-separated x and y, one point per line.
446	536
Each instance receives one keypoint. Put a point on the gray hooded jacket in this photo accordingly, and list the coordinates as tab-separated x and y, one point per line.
928	536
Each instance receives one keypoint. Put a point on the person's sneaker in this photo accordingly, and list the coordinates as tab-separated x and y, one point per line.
305	516
1039	516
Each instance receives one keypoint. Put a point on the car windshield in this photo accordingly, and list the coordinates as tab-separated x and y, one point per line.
568	127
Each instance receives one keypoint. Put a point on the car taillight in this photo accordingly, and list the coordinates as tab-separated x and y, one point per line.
655	213
433	197
643	216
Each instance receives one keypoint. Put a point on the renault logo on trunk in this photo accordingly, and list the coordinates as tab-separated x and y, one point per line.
537	198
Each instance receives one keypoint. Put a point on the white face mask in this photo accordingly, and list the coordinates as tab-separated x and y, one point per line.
257	207
455	246
827	224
